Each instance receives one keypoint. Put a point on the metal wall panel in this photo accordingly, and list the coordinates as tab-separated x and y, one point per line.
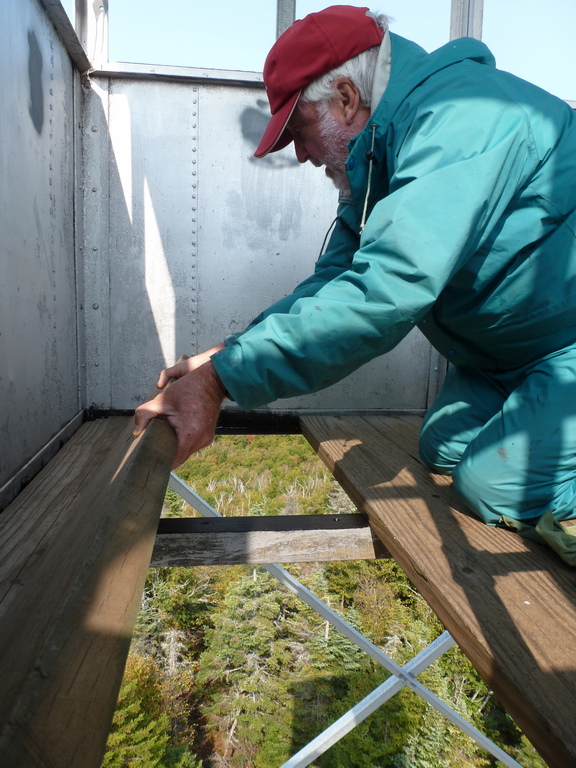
38	330
141	246
96	245
198	237
183	237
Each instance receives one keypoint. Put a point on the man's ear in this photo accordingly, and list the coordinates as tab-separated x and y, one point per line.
347	102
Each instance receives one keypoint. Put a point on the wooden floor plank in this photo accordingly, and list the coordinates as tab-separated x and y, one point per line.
189	542
509	603
74	553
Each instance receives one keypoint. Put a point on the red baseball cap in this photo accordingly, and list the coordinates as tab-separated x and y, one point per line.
308	49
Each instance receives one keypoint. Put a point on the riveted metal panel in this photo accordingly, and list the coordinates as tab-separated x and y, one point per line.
143	248
199	237
96	245
183	237
38	331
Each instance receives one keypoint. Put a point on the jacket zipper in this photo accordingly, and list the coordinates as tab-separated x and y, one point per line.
371	161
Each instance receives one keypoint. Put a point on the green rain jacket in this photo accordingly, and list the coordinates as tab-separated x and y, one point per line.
470	234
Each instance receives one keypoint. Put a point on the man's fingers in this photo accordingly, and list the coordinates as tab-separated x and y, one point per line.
174	372
185	366
191	405
144	414
163	379
169	373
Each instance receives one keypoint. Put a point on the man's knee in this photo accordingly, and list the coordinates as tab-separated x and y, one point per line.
478	491
434	452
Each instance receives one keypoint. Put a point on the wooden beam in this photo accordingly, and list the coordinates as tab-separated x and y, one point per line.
251	540
509	603
74	554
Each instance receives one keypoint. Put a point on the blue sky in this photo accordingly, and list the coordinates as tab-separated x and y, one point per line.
532	39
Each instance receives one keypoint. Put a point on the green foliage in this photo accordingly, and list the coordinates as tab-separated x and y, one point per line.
435	742
150	725
180	757
262	475
174	599
229	670
243	672
173	504
139	729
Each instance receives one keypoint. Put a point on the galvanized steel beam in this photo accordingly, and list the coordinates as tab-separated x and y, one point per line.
466	19
91	22
63	26
285	15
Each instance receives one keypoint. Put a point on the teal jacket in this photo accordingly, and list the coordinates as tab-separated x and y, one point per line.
470	234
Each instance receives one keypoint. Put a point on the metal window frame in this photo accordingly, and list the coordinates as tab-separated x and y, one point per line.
91	23
89	46
466	17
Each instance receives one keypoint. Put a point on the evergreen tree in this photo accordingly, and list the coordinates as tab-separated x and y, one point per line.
139	733
141	726
435	742
232	663
244	672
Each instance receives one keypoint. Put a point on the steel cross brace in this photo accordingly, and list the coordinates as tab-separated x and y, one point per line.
400	676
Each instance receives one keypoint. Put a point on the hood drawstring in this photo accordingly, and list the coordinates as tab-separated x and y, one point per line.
326	236
371	160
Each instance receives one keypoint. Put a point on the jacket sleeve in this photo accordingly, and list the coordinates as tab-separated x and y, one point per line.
455	171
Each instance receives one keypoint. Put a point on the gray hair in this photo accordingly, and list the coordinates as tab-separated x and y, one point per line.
359	69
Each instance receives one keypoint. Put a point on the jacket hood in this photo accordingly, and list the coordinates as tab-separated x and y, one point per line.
410	66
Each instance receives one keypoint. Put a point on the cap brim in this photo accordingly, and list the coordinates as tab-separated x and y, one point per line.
276	136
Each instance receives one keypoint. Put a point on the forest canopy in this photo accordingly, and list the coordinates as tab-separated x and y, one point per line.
229	670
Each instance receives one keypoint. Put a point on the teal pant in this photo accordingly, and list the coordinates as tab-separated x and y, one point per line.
508	438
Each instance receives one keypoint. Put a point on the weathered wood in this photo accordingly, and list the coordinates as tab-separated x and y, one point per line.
508	602
75	549
263	540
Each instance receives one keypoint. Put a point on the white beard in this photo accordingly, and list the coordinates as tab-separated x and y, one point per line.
337	149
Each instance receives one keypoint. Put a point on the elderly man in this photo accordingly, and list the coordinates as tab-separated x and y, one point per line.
457	214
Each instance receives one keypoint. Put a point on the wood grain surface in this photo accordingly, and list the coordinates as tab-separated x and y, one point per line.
508	602
74	552
250	540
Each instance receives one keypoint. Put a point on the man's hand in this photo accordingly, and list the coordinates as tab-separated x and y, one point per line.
191	404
